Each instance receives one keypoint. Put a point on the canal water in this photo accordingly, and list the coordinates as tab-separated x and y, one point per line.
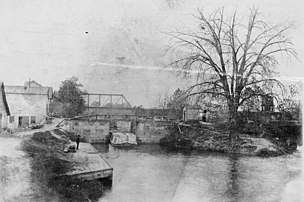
149	173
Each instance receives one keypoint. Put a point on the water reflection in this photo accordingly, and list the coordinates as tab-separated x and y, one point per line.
233	174
149	173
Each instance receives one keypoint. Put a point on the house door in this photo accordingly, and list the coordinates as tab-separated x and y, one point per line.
23	121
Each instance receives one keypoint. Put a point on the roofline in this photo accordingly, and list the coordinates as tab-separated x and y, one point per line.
29	87
39	85
4	100
28	93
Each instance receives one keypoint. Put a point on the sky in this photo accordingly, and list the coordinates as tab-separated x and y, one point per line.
117	46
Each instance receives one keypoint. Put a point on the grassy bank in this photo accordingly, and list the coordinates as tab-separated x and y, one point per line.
49	163
215	138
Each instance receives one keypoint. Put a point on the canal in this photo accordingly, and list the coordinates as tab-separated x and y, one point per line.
149	173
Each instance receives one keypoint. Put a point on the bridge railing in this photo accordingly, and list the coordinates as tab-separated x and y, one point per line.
98	100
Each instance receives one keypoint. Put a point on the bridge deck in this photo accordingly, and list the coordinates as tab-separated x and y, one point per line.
89	164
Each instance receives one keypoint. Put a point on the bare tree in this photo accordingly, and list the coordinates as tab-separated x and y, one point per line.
230	58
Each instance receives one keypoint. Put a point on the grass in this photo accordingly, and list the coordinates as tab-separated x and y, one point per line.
49	163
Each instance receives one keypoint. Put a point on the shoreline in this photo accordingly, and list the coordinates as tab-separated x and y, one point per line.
208	137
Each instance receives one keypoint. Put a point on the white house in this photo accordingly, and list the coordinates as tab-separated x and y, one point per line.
28	104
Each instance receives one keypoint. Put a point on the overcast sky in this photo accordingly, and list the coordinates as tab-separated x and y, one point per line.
51	40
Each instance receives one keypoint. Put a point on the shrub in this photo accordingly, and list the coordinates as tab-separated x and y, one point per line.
49	164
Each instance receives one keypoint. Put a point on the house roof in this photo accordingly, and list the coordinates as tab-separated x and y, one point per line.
27	90
4	98
32	83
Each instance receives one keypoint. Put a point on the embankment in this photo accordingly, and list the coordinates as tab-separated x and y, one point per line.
49	163
208	137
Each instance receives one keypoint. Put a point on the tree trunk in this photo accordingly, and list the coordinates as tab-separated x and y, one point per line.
232	110
233	123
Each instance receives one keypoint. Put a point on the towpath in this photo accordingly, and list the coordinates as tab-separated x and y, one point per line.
15	179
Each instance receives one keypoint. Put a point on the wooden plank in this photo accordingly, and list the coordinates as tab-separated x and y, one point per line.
89	164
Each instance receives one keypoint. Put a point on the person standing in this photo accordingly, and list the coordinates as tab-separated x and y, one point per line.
77	141
184	113
205	116
200	115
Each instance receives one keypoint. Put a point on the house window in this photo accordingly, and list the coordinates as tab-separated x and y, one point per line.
11	119
33	119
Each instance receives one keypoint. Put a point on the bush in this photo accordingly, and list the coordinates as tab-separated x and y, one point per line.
75	189
49	164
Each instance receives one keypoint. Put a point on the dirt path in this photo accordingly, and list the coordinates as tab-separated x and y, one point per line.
45	128
15	179
14	171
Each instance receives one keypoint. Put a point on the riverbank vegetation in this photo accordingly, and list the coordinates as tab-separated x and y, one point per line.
70	94
49	164
233	59
271	140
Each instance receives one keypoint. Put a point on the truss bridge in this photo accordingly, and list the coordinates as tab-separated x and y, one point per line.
94	100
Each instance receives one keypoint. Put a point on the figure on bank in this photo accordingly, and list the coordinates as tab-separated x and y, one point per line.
184	113
77	141
205	116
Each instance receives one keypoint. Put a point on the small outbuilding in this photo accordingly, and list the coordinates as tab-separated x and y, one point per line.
192	112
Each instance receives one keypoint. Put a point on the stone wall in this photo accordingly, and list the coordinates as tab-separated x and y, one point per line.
91	131
150	131
123	126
